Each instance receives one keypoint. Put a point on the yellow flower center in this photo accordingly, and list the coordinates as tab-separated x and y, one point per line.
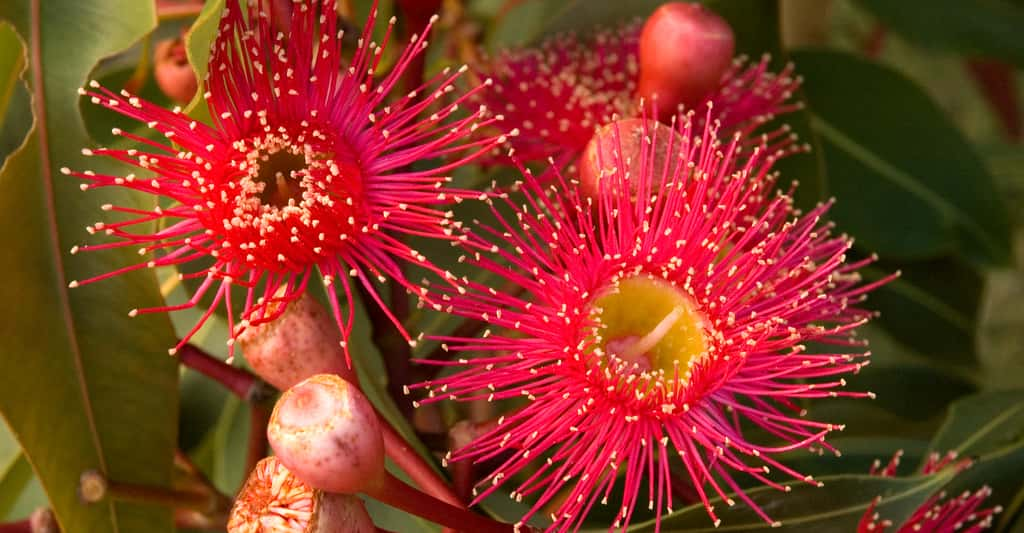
650	324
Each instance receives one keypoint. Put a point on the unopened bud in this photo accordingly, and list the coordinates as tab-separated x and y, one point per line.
302	342
172	71
326	432
274	499
622	143
685	48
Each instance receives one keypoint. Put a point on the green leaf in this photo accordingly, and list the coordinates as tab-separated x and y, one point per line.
838	506
223	451
198	41
15	115
982	423
931	308
1001	329
908	184
110	390
12	62
987	28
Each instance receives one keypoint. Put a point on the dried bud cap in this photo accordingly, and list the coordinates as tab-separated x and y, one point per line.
172	72
302	342
326	432
623	141
274	500
684	51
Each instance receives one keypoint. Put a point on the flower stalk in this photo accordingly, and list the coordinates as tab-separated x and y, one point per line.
398	494
241	383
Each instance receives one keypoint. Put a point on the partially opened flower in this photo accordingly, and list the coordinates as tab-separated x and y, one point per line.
309	167
939	514
557	94
653	335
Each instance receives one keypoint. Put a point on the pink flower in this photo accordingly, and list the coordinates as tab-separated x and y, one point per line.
652	327
556	95
938	514
307	167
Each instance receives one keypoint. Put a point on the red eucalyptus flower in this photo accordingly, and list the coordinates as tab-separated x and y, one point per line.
668	323
307	167
556	95
938	514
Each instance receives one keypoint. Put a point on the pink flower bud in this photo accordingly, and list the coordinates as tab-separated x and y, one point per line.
684	51
172	71
300	343
622	142
273	499
326	432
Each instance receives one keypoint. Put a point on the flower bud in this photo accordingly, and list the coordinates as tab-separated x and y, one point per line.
42	520
172	72
326	432
684	51
623	141
274	500
300	343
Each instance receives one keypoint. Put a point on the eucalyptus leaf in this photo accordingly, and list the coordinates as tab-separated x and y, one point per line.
932	308
908	184
109	389
988	28
982	423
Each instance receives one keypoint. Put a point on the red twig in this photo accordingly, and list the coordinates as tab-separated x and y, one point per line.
873	45
406	458
241	383
396	493
998	83
257	446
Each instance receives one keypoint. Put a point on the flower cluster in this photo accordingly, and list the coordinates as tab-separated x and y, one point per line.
649	327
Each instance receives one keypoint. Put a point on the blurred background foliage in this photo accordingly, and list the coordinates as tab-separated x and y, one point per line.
913	113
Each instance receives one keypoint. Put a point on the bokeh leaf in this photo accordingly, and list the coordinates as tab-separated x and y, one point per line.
110	390
987	28
909	185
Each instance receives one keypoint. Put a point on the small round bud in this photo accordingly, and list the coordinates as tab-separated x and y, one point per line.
300	343
623	142
274	500
42	520
172	72
685	49
326	432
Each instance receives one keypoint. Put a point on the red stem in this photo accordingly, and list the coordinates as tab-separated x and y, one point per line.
406	458
259	417
21	526
240	382
172	10
394	492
